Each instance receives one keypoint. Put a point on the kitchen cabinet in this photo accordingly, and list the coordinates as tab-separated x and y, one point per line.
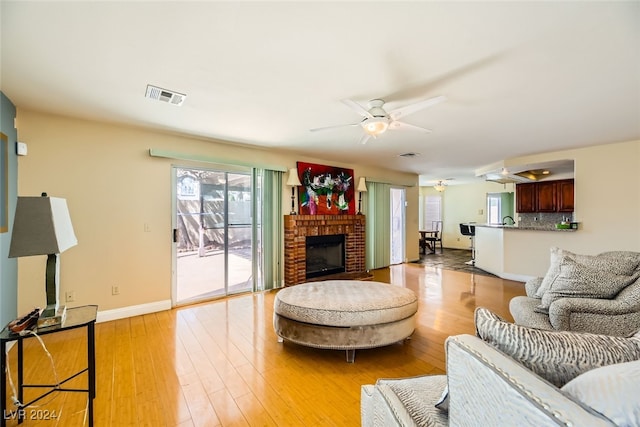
545	196
526	198
565	195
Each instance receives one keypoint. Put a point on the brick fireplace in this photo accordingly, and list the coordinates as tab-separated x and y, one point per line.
298	227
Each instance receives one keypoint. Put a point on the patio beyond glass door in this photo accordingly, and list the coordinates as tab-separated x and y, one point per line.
212	234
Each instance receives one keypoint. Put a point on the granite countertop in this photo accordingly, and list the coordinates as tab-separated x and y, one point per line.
550	227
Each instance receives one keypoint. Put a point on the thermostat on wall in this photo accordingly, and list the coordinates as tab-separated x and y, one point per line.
21	148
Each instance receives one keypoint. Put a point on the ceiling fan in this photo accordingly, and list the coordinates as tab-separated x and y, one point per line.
377	120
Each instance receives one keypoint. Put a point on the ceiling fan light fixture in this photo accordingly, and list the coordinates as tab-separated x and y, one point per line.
375	126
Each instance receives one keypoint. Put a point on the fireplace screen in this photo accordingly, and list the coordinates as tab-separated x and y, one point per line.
325	255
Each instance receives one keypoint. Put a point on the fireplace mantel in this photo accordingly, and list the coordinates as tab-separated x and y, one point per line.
298	227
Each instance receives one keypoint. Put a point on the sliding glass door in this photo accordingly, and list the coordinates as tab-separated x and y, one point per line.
213	234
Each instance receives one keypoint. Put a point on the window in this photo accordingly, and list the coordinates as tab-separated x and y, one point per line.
499	206
493	209
432	210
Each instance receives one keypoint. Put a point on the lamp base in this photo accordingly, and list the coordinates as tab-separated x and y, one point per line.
51	317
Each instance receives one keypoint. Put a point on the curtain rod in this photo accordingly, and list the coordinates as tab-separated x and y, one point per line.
166	154
386	181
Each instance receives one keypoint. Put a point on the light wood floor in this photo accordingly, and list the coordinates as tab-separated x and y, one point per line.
219	363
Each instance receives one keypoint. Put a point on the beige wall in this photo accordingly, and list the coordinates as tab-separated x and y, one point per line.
113	189
463	203
607	206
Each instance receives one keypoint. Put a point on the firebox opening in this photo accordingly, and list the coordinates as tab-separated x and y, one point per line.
325	255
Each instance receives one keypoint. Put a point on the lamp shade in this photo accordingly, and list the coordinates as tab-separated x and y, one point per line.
293	179
41	226
362	184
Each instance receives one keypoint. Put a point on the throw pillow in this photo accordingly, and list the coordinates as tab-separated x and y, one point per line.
611	390
557	356
443	402
579	280
616	262
556	255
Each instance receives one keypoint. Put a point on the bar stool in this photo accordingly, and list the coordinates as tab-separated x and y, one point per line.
470	230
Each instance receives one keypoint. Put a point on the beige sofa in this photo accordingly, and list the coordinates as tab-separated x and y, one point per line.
511	375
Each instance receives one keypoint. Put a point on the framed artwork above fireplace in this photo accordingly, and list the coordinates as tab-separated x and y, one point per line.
326	190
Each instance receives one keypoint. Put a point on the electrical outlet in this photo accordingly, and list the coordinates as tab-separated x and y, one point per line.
115	290
70	296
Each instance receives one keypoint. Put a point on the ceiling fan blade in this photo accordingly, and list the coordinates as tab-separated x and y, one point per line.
357	108
365	138
333	127
402	125
413	108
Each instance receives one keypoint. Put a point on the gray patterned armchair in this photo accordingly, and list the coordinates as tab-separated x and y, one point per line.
584	293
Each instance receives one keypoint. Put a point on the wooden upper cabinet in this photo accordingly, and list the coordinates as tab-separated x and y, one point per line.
565	190
545	196
526	198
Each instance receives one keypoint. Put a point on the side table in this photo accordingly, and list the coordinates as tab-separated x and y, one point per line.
76	317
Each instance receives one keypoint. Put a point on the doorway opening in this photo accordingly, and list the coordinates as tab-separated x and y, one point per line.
398	196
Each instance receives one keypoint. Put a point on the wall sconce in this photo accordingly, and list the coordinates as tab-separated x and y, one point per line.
293	181
362	188
440	186
42	226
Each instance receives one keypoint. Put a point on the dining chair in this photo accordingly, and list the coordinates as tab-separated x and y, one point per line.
435	236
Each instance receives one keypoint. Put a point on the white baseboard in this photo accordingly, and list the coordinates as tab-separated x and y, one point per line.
133	310
515	277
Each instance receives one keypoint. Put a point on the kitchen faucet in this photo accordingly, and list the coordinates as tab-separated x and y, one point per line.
513	221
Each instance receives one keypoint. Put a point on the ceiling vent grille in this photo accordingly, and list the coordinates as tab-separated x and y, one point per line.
164	95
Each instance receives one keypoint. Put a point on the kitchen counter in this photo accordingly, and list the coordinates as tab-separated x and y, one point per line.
508	251
529	228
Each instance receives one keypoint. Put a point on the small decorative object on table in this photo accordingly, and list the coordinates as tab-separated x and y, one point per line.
25	322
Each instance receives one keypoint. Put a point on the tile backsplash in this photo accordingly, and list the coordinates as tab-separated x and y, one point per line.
543	219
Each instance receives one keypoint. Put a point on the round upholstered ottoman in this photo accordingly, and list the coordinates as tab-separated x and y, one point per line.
344	314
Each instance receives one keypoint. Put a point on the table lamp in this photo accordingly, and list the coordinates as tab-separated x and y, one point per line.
362	188
293	181
42	226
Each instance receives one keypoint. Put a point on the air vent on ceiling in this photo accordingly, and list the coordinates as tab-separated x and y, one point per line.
165	95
